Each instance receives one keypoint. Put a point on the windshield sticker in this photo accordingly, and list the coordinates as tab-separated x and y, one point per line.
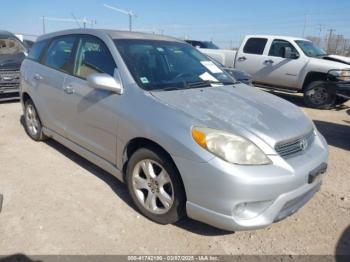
208	77
144	80
211	67
160	49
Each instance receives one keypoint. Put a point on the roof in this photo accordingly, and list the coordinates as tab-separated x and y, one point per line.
6	33
114	34
289	38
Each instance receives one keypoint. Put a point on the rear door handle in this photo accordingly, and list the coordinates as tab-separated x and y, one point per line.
37	77
68	89
242	58
269	61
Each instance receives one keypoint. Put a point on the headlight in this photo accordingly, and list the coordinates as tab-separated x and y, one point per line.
343	75
229	147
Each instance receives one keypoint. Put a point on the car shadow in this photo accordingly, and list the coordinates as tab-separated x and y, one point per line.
293	98
298	100
17	258
121	191
336	134
342	250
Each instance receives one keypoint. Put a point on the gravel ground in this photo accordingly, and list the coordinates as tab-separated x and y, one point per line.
55	202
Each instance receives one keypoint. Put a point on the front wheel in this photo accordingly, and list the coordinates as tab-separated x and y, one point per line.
155	186
319	95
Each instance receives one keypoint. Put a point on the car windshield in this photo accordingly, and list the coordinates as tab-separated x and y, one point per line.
210	45
310	49
166	65
10	46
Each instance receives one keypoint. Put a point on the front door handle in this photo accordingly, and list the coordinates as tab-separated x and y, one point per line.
37	77
269	61
69	90
242	58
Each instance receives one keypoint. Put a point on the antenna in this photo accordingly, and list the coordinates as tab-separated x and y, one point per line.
131	14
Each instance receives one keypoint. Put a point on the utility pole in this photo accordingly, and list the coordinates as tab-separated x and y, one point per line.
305	24
130	14
44	29
331	31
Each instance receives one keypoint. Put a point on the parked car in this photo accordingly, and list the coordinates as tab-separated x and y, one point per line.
162	117
290	64
12	53
237	74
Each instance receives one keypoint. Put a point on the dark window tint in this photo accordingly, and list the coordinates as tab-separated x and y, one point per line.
278	48
11	46
196	43
37	50
93	57
255	46
59	53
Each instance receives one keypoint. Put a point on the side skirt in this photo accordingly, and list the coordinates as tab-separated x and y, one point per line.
98	161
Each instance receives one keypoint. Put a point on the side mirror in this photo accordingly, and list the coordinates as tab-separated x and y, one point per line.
289	54
106	82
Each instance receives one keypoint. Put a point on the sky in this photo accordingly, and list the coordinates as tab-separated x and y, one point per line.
225	22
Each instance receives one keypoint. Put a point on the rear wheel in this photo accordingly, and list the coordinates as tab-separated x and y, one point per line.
32	122
155	186
319	95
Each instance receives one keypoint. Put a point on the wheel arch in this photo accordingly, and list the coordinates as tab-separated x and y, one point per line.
26	97
140	142
313	76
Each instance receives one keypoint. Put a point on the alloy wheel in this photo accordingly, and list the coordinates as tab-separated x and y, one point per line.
32	120
152	186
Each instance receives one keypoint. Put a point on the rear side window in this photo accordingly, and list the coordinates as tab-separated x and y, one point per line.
255	46
37	50
93	56
59	54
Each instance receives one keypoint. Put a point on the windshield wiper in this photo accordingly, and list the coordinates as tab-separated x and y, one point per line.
207	83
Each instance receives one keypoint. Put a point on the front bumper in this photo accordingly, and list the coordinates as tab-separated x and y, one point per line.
342	87
214	189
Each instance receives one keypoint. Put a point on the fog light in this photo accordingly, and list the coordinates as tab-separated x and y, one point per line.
249	210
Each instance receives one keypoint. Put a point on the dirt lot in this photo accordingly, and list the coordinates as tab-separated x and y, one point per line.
55	202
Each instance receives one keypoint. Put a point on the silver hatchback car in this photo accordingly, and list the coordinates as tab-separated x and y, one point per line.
184	135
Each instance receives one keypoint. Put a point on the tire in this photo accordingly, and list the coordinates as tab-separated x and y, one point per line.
340	100
167	200
32	123
319	95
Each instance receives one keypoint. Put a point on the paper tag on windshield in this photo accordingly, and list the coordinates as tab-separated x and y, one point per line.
211	67
144	80
207	77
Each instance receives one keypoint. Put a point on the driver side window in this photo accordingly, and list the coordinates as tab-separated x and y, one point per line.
278	48
92	57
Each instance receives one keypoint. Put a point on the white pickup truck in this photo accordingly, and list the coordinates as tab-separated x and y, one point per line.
290	64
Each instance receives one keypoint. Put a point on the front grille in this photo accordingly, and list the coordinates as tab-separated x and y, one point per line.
9	76
292	147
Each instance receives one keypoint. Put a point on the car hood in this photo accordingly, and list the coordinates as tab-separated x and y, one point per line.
11	62
240	109
338	58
